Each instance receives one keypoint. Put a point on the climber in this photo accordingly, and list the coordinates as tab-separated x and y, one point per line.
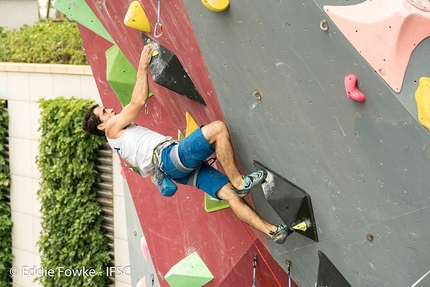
183	161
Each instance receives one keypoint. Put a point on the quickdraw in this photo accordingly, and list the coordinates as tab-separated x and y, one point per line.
254	264
158	25
288	263
146	108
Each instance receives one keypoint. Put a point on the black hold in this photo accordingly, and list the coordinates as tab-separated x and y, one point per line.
289	201
328	274
168	72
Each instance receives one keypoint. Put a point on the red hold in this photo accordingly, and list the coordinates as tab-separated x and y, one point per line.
352	91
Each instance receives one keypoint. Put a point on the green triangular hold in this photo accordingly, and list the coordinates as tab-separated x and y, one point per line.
213	204
79	11
120	74
189	272
180	135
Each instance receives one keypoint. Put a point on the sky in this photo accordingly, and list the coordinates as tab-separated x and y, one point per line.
42	9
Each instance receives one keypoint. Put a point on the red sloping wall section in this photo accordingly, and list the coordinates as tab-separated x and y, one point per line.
242	273
177	226
177	37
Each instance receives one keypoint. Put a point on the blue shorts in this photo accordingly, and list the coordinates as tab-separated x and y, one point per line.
191	168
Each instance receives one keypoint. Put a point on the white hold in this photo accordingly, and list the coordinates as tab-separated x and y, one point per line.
141	282
268	186
419	280
253	105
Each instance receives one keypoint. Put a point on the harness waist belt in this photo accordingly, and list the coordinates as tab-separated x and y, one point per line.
158	149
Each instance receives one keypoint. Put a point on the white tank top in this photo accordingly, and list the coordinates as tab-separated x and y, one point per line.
136	146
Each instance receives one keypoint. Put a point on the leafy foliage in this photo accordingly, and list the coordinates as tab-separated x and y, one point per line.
5	213
71	237
45	42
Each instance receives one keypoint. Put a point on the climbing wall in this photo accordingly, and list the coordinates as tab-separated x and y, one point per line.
178	227
279	73
279	76
141	264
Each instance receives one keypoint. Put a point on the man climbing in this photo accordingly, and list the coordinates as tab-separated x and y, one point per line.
184	162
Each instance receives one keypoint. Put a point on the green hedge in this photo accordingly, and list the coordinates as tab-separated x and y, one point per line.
71	237
5	215
44	42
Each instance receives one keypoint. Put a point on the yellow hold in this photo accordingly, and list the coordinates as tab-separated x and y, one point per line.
211	204
155	53
191	124
216	5
136	18
301	226
422	97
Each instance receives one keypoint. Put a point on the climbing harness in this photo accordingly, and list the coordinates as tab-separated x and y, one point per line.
254	264
165	184
158	25
211	160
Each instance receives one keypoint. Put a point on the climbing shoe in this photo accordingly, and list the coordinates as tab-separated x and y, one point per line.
281	234
251	181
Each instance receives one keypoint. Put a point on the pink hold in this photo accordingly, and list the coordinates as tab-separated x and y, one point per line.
144	247
352	91
141	282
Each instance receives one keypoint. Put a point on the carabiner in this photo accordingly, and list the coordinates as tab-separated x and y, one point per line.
158	25
146	107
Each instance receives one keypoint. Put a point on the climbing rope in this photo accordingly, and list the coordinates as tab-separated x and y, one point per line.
254	264
261	255
158	25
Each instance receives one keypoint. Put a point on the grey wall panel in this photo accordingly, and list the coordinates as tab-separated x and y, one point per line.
139	267
363	164
394	257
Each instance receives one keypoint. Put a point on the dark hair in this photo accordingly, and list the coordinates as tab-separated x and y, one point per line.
91	121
